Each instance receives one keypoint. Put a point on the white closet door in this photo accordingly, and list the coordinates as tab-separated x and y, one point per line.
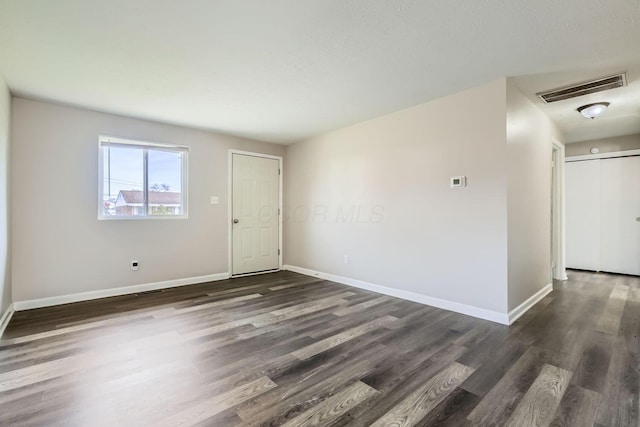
582	204
620	208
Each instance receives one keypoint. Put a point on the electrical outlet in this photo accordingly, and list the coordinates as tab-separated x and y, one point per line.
134	265
215	200
346	259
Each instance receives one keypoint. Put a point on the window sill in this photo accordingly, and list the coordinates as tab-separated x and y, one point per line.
142	218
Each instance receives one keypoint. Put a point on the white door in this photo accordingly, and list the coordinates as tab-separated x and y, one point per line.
620	215
255	202
582	206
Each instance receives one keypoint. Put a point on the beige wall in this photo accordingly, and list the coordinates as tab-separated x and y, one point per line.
377	192
606	145
5	246
59	245
529	148
408	229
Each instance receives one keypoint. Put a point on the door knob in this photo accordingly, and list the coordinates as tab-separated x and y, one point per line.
235	221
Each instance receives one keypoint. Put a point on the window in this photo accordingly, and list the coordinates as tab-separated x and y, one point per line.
141	179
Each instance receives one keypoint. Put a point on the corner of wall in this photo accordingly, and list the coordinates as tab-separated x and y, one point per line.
530	135
6	294
401	163
44	131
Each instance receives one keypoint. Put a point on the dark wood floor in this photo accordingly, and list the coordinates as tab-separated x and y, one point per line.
286	349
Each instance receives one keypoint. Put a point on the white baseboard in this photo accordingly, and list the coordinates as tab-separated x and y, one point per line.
5	318
237	276
517	312
469	310
494	316
104	293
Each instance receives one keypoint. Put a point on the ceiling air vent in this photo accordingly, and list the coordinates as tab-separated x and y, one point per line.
585	88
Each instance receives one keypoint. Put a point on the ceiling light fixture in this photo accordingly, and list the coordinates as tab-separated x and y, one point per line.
591	111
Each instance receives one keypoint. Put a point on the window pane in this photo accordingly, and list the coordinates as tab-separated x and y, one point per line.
142	179
123	181
165	182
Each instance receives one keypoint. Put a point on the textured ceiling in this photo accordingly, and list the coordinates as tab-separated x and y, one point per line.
282	71
622	116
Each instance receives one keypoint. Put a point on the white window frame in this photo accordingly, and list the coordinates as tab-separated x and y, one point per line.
106	140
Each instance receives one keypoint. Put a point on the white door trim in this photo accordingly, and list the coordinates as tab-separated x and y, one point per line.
230	206
559	239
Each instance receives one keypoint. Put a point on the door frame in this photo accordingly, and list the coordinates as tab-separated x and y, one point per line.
230	208
558	241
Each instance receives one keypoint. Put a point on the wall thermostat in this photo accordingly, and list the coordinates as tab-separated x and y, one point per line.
458	181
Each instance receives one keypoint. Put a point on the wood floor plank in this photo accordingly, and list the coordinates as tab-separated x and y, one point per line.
53	369
494	365
219	303
620	403
296	284
397	379
419	403
498	405
332	408
340	324
328	343
609	322
298	310
630	322
209	408
361	306
302	387
311	305
452	411
591	372
577	408
285	348
78	328
539	404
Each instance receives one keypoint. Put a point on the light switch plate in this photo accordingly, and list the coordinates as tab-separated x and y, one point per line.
458	181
